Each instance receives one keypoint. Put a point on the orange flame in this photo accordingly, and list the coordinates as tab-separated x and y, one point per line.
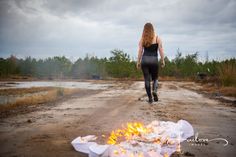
127	133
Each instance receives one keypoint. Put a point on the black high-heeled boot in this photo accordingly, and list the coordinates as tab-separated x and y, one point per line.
155	97
150	100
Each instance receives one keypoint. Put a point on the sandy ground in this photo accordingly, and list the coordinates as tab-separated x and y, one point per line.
48	131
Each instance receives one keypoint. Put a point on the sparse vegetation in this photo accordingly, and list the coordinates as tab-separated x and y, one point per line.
120	65
51	94
22	91
227	72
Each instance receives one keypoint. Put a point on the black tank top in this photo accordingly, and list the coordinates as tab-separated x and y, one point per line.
151	50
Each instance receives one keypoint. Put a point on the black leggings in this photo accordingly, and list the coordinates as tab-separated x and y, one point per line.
149	67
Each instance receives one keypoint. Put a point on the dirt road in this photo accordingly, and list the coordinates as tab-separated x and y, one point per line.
49	130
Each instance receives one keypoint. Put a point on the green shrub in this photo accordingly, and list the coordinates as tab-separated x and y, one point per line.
227	72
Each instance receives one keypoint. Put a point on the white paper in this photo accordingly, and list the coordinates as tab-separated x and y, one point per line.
175	132
99	151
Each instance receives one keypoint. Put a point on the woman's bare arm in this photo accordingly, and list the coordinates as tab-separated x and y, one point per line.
140	52
161	51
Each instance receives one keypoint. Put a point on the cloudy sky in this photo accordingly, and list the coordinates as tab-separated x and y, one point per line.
43	28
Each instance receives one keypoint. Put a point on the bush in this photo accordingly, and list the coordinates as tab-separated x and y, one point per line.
227	72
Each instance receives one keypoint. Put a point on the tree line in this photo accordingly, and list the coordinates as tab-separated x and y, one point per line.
119	65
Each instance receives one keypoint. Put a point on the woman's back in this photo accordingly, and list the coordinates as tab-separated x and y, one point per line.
151	50
150	56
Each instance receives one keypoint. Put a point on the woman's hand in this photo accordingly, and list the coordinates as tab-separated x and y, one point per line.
138	65
162	63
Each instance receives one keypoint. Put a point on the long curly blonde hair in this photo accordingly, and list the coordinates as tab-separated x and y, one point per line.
148	35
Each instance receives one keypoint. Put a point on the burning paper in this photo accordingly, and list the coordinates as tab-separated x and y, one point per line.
158	139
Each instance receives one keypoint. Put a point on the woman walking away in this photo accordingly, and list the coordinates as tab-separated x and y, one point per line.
149	45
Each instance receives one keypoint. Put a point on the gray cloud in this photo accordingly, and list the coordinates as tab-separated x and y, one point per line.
43	28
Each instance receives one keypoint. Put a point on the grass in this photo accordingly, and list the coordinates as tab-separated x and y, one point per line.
22	91
227	73
225	82
224	90
52	94
228	91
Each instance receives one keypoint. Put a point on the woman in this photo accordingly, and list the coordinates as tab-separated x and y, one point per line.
149	44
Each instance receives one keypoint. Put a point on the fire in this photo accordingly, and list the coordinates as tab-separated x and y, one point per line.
138	140
128	132
136	135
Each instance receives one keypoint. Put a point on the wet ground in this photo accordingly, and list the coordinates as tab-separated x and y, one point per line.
6	99
49	130
64	84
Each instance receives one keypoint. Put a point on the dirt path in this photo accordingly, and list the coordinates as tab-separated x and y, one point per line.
49	131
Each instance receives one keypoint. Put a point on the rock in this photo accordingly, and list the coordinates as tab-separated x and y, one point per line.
29	121
188	154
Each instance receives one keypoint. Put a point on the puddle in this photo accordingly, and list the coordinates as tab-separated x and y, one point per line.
69	84
6	99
